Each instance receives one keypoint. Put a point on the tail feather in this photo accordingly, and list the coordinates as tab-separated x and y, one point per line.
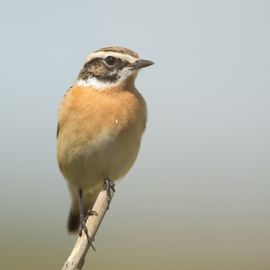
74	214
73	221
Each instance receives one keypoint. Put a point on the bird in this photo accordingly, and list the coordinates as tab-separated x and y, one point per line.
101	120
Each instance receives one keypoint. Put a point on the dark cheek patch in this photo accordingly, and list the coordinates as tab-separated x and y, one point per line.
97	69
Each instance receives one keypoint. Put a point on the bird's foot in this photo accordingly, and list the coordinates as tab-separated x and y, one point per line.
90	213
83	227
109	186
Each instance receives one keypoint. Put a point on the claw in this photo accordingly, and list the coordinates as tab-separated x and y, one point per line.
90	213
84	228
83	219
109	186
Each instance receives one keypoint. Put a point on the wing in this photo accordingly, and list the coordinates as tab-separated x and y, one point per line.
58	129
59	124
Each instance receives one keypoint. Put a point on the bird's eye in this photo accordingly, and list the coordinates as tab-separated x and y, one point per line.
110	60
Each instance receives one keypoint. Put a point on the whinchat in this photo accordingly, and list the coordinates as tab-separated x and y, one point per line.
101	121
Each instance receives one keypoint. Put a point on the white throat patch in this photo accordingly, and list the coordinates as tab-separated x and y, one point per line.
95	83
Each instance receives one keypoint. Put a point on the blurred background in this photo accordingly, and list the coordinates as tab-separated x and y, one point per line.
198	195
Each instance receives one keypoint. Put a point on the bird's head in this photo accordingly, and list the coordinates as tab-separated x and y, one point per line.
111	66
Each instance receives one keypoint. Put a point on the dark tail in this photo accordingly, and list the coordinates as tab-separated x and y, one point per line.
74	214
73	221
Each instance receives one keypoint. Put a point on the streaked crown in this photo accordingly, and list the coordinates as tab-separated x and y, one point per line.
110	66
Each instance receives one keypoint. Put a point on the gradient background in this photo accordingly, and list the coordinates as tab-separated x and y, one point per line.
198	196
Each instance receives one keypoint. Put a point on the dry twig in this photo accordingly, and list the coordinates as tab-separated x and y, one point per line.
76	259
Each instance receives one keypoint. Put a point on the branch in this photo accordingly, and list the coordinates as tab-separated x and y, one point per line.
76	259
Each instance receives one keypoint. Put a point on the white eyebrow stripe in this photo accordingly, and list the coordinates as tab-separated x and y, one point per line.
102	54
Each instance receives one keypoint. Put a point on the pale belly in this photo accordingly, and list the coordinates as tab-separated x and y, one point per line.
85	166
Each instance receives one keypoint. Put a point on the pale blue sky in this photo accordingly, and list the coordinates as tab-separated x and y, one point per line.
198	195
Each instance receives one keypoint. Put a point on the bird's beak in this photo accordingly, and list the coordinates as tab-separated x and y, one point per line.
142	64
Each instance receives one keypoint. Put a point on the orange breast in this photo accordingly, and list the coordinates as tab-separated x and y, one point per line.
88	112
99	134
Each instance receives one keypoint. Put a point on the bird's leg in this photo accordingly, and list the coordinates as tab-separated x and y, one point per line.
109	186
83	219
